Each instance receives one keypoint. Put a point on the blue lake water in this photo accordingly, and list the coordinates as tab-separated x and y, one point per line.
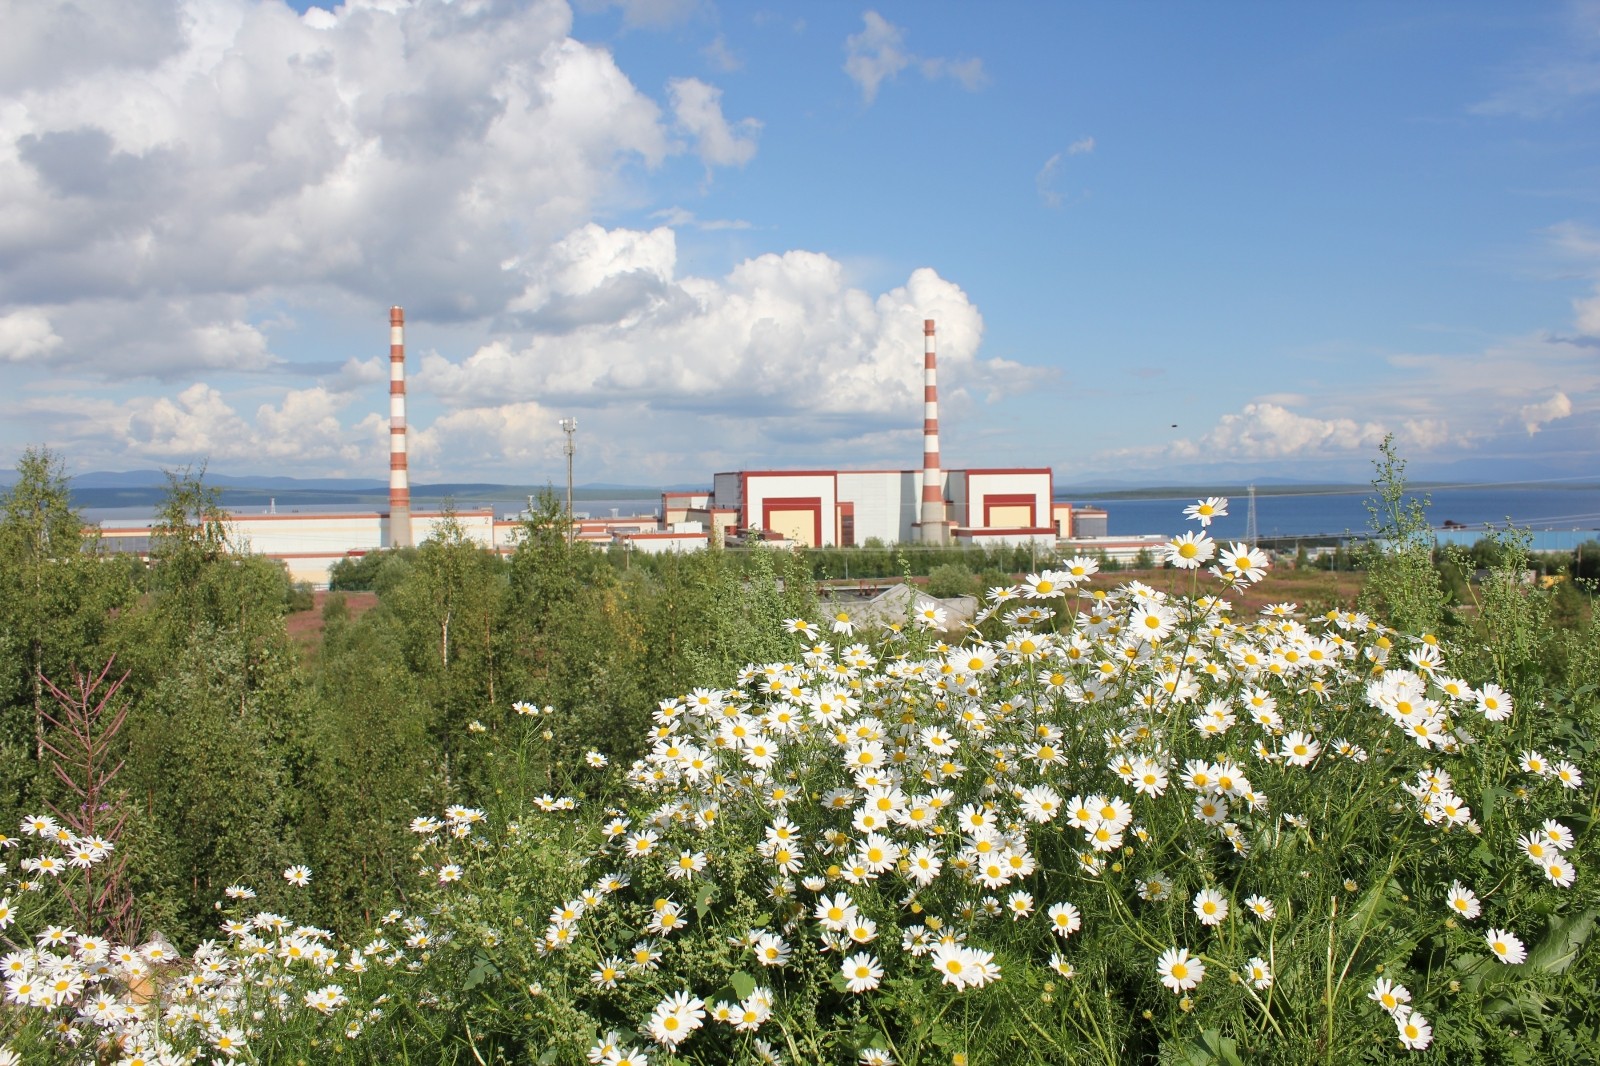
1559	518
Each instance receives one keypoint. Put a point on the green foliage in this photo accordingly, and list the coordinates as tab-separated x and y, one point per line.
56	599
1353	855
568	639
950	580
1403	584
300	597
875	559
214	764
494	682
371	766
373	571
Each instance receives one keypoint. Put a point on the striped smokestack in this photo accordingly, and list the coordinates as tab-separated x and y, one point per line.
399	481
935	525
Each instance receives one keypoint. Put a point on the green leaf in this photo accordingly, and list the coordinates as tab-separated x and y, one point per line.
1562	943
1487	801
702	900
482	970
1375	902
1211	1048
743	984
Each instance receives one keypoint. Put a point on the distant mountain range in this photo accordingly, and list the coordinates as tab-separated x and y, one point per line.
142	479
146	489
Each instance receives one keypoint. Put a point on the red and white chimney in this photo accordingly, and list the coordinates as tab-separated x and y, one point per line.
399	481
934	528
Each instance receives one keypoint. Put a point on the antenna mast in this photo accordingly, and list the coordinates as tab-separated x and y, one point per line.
569	426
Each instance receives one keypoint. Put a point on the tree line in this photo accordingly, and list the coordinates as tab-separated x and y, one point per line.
242	753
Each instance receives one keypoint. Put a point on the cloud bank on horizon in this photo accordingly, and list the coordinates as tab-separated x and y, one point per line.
637	213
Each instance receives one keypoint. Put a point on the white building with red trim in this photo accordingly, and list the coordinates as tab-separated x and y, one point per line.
847	508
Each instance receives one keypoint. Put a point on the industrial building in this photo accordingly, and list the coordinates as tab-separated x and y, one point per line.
806	508
847	508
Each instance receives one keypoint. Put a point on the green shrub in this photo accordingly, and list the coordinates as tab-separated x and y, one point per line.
949	580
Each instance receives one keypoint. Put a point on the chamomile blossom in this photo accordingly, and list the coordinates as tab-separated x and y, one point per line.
862	972
1414	1030
1207	510
1462	901
1505	946
1180	971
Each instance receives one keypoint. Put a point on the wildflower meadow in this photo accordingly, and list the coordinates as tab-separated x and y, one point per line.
1109	822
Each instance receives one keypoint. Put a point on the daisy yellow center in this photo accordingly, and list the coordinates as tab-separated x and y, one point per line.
1179	970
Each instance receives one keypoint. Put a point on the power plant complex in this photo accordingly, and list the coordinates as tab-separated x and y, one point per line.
803	508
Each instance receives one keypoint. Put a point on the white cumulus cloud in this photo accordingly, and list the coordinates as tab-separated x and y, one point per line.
27	335
181	200
878	54
217	151
778	334
698	110
1270	431
200	425
1535	415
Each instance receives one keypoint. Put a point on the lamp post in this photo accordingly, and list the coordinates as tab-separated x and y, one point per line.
569	426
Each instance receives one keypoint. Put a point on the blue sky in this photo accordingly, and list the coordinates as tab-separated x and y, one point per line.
1165	243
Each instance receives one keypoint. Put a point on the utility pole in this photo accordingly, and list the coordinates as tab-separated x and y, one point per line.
1250	534
569	426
